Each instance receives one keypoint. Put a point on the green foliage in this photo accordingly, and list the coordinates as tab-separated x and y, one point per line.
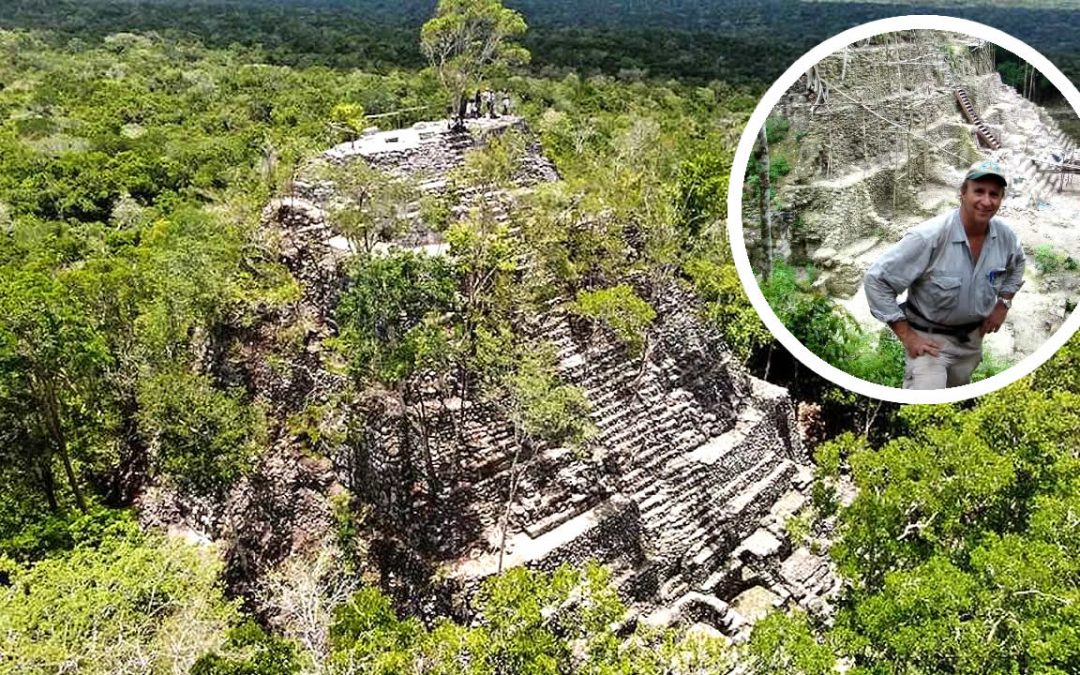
250	652
728	308
367	634
1060	373
778	166
470	40
829	332
784	644
799	527
374	206
949	544
128	604
876	358
54	534
520	378
349	118
349	521
528	622
389	317
1049	260
1019	75
702	190
546	410
824	499
621	310
203	439
776	128
494	164
989	366
810	316
435	212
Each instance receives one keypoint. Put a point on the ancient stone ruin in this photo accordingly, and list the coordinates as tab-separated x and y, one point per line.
684	490
880	135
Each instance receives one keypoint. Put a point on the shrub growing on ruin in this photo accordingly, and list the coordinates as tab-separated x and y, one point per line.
202	438
1049	260
621	310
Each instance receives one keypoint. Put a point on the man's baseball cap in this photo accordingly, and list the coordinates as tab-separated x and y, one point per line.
984	168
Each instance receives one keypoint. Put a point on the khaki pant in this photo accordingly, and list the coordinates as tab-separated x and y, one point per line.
951	369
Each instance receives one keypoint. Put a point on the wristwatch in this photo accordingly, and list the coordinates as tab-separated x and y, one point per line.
1005	301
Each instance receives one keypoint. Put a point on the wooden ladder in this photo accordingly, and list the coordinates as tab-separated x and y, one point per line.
981	129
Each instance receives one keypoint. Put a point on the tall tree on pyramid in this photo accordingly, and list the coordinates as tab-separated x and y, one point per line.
468	41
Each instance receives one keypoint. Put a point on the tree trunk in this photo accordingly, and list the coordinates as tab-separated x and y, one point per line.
50	406
764	205
47	481
511	493
131	470
425	446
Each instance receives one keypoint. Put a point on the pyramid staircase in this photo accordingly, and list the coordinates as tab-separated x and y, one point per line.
1041	176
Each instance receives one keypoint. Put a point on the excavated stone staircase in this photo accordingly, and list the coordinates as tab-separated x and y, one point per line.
690	457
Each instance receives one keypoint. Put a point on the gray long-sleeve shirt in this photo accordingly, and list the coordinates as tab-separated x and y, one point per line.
934	266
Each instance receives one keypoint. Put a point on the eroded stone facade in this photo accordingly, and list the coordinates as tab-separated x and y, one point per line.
692	459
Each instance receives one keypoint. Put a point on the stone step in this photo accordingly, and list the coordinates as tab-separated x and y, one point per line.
707	554
762	492
714	507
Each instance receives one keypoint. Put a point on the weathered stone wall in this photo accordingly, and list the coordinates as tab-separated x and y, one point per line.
867	118
427	155
873	125
690	453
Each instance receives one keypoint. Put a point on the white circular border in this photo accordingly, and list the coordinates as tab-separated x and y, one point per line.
735	190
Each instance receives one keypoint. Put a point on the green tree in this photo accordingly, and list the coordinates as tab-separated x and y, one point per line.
484	253
374	207
129	604
348	119
51	356
527	622
249	650
393	326
520	380
621	310
727	308
702	190
958	544
784	644
199	437
468	40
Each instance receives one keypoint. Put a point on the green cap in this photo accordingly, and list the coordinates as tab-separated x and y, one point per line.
984	168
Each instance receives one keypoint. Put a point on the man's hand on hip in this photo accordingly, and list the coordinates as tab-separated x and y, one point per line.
914	344
992	323
917	345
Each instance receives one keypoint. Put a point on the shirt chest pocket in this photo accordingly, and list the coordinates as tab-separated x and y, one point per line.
942	293
996	271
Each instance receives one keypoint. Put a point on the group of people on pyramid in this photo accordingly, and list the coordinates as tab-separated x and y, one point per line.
484	103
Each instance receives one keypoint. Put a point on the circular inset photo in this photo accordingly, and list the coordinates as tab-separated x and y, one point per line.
905	222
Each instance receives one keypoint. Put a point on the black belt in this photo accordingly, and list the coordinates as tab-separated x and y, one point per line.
960	332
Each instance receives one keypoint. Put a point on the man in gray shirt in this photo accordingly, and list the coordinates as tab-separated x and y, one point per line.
960	271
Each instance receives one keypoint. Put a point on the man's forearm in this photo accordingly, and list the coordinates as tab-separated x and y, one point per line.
901	328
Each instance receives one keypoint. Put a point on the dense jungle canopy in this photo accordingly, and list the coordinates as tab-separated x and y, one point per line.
139	144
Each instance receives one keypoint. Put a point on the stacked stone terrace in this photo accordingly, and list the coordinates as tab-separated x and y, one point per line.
692	457
426	154
693	460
